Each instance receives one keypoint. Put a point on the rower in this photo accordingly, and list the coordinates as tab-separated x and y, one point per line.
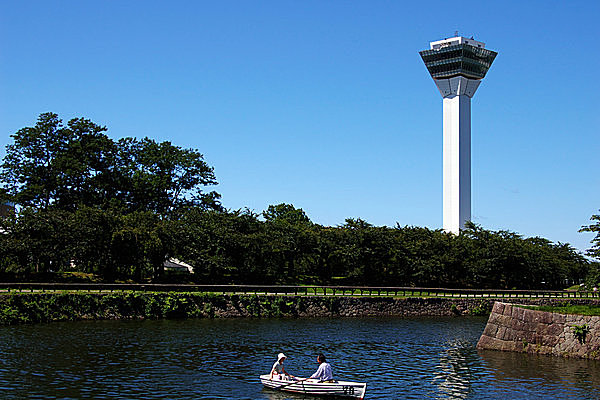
323	373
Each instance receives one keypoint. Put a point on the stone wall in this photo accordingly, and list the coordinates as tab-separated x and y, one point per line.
330	306
18	308
513	328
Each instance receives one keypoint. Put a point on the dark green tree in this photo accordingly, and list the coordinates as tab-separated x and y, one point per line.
161	177
38	167
105	206
289	244
594	251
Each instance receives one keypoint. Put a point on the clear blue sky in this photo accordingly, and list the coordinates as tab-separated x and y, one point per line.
326	104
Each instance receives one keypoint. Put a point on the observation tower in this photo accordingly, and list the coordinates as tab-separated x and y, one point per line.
457	66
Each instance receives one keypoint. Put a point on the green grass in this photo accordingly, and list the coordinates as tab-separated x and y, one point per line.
574	287
579	310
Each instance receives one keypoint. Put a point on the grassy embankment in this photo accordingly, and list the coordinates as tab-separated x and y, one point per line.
17	308
568	309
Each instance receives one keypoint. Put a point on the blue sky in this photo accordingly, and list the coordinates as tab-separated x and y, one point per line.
326	104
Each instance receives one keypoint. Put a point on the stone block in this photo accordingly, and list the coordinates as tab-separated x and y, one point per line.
553	329
501	332
488	343
521	313
538	338
490	329
493	318
509	334
528	315
528	326
515	324
539	328
498	308
569	346
504	320
506	346
523	326
512	328
517	313
571	319
550	340
545	317
558	318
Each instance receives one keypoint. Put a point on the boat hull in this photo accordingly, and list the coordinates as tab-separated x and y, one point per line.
353	390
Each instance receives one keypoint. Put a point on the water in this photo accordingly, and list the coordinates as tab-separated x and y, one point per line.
420	358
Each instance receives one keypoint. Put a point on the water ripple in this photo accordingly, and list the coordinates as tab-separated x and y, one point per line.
431	358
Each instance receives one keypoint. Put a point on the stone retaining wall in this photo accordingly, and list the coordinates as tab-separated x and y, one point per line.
45	307
329	306
513	328
339	306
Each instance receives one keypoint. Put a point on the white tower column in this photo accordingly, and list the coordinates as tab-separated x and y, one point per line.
457	162
457	93
457	66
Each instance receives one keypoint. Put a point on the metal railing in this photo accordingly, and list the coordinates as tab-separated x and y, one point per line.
313	290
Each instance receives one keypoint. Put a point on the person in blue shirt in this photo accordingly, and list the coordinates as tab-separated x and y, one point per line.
323	373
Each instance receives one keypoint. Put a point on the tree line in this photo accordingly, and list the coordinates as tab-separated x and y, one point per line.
120	208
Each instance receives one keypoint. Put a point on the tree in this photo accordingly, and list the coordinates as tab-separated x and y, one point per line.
223	247
290	242
287	213
161	177
39	239
140	245
594	251
35	163
105	206
53	165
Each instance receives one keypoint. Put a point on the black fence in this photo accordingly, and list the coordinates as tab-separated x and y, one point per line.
297	290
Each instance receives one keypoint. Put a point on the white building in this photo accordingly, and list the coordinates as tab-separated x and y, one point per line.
175	265
457	66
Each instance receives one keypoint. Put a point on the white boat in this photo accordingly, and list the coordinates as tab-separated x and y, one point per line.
354	390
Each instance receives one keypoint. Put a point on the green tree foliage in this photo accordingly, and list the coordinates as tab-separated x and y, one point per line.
52	165
286	248
594	251
288	242
223	246
160	177
86	200
119	208
592	279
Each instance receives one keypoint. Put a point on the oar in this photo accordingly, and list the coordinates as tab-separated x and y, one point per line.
291	383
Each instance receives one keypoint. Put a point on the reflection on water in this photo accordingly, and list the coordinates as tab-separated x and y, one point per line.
542	373
418	358
455	370
279	395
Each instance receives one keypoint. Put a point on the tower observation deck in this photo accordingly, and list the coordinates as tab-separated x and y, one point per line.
457	66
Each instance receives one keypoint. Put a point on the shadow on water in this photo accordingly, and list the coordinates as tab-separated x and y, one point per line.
544	374
279	395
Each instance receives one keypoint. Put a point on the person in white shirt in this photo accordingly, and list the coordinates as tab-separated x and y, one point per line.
278	369
324	373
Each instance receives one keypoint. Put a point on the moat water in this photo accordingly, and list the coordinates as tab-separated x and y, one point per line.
399	358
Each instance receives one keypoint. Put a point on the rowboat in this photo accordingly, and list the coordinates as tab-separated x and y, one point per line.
353	390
